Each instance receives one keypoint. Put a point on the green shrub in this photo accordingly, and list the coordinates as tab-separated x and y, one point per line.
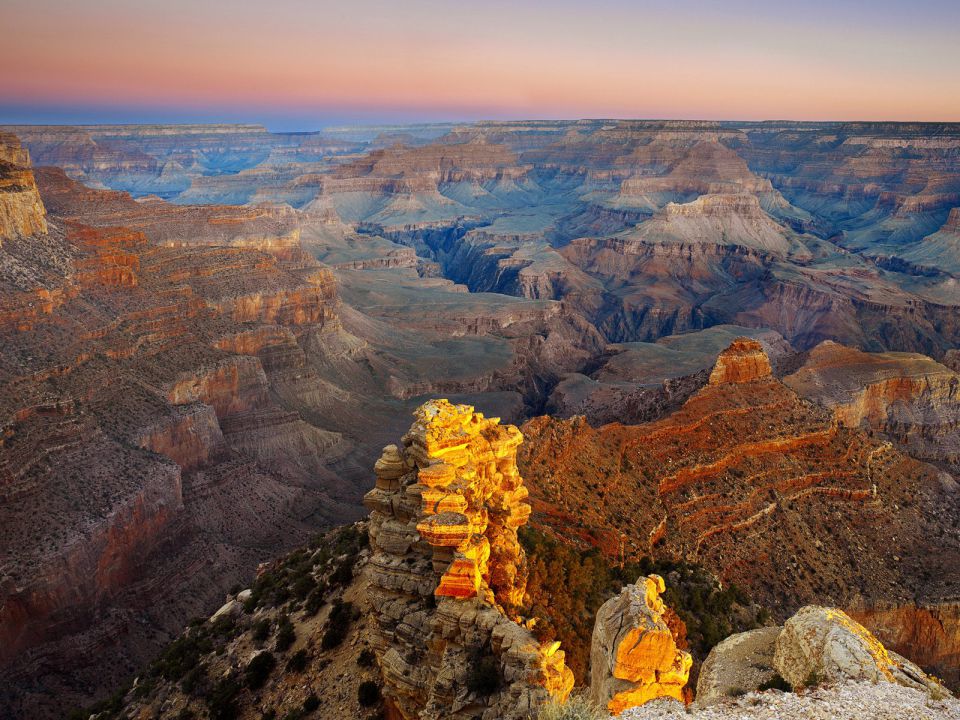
223	627
484	676
333	636
193	679
366	658
143	688
343	575
259	669
222	700
298	661
338	624
261	630
286	635
181	656
368	693
303	585
314	601
311	703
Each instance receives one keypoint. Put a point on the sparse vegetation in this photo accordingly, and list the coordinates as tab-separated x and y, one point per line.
259	669
368	693
261	630
189	660
366	658
221	702
776	683
298	661
338	624
286	635
567	585
575	708
182	655
311	703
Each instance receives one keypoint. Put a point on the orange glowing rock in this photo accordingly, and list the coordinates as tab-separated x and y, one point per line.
634	656
449	529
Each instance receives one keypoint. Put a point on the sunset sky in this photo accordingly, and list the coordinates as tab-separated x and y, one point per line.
301	64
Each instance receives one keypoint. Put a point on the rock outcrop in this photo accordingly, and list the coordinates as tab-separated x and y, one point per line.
21	211
447	573
825	645
928	635
634	656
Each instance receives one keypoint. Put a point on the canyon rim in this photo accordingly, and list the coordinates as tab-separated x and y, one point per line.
477	362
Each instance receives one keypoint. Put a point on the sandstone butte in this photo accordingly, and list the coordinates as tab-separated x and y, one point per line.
448	574
634	656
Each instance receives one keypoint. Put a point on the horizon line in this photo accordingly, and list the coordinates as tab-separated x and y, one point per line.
499	121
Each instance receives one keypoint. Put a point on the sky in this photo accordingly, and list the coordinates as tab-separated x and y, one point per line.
304	64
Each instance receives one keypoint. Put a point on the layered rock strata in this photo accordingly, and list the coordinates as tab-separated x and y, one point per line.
21	210
448	572
634	656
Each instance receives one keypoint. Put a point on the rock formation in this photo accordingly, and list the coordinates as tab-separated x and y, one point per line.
447	573
217	372
21	210
824	645
940	251
634	656
720	219
745	360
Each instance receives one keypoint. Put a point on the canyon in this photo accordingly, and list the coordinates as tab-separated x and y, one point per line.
208	334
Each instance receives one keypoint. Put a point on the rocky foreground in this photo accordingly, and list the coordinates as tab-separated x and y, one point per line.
846	701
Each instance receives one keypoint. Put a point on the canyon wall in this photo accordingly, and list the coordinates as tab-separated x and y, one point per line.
766	490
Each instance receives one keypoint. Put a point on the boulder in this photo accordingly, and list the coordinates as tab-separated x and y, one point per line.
231	608
741	663
825	645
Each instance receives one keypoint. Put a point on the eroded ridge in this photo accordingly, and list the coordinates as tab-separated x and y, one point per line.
748	478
